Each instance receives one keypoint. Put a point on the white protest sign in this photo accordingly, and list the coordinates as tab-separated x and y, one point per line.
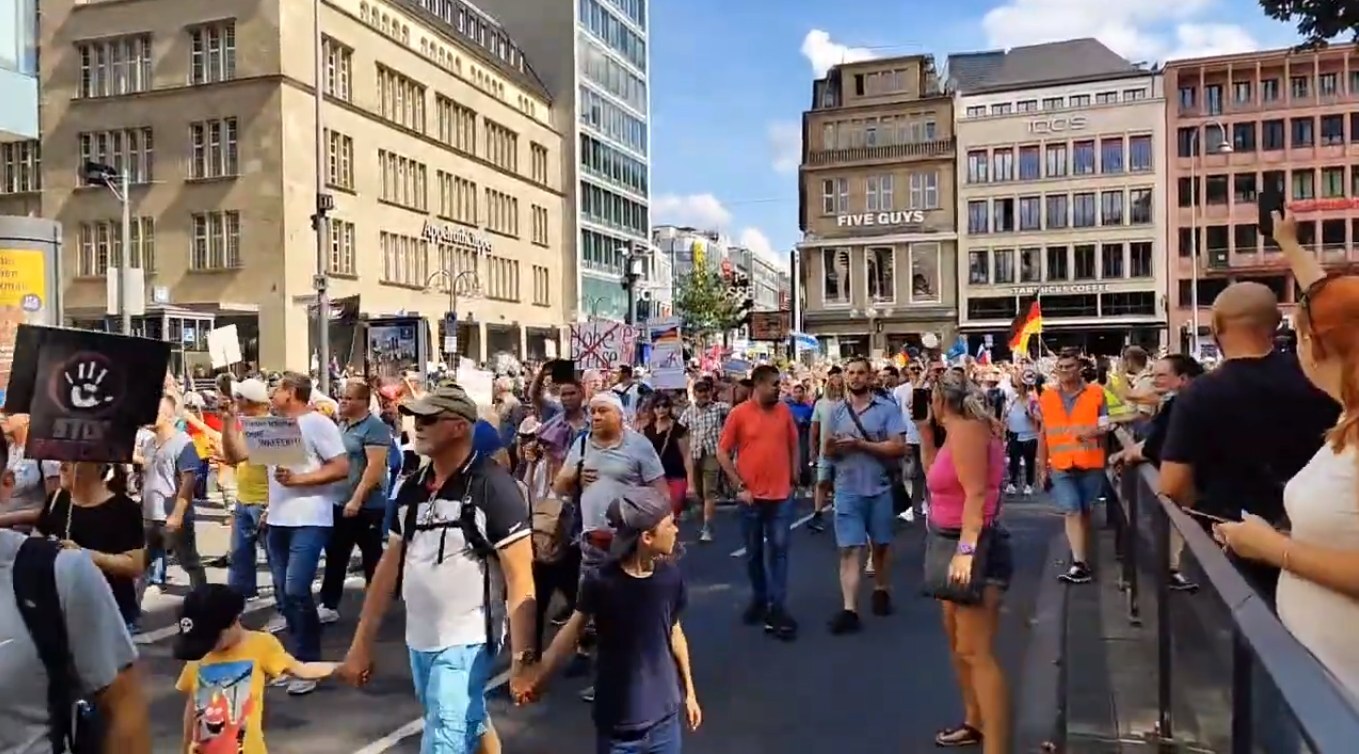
224	347
603	345
550	349
274	440
477	383
667	366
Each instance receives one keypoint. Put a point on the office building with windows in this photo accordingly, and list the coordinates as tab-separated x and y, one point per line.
440	157
876	207
594	56
1291	122
20	153
1061	195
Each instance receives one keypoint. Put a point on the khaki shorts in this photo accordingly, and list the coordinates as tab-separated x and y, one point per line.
706	476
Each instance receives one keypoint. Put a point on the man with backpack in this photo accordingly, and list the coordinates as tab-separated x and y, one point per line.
460	551
57	612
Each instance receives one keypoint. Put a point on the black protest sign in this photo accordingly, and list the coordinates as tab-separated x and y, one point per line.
90	391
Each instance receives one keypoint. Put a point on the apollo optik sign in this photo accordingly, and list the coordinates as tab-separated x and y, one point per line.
868	219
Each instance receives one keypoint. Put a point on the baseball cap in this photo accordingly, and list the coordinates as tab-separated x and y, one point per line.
632	512
252	390
447	398
206	612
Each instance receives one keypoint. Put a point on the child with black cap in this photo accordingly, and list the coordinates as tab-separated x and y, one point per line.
228	667
644	688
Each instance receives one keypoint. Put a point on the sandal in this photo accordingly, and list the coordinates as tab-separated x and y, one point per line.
958	737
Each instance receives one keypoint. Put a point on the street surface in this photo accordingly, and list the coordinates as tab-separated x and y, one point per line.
888	688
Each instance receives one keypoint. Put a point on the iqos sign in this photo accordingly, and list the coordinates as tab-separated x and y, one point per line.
1057	125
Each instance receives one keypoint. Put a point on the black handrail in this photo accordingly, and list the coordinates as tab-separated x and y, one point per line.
1326	717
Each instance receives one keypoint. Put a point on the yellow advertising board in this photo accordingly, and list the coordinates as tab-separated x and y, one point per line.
23	300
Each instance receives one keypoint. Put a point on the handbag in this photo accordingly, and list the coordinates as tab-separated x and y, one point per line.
901	499
940	547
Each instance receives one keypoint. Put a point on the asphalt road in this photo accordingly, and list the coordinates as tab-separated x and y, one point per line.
885	689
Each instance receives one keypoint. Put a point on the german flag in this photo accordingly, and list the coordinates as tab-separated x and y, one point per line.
1025	326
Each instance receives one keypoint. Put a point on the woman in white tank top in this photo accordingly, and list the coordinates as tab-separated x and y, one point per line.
1318	594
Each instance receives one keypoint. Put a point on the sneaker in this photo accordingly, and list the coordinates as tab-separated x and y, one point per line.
327	615
276	624
588	695
1028	490
817	523
882	603
755	612
907	515
844	622
301	688
779	625
1078	573
1010	489
1180	584
281	681
706	534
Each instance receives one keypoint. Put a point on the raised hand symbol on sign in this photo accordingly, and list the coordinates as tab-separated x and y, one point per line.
85	385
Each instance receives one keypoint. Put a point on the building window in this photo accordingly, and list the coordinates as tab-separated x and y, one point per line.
1026	106
1054	103
881	274
1133	95
457	125
503	283
1332	183
1083	158
924	273
538	160
405	259
1212	98
1187	141
1004	271
339	69
1304	184
339	160
1106	98
608	163
101	246
21	162
342	249
542	286
1003	215
214	150
1057	263
979	267
1187	98
1056	160
502	146
403	181
1083	262
976	111
1111	261
1030	213
834	196
978	216
212	54
1246	238
1030	164
540	225
1139	259
457	198
1001	108
835	280
1303	135
1003	162
1139	206
1272	135
1269	90
1241	92
1030	265
1083	211
1300	86
216	241
1139	154
130	148
1243	137
1111	208
1243	187
1332	130
924	190
119	65
400	100
879	193
1058	212
502	213
1111	155
978	167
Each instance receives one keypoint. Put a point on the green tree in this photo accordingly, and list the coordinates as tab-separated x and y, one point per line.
703	304
1318	21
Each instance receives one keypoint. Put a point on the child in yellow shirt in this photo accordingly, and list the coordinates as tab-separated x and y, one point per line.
228	667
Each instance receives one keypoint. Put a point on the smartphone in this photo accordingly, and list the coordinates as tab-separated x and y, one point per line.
562	370
1207	516
1269	200
920	403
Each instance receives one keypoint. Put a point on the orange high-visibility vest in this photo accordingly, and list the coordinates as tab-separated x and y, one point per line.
1066	451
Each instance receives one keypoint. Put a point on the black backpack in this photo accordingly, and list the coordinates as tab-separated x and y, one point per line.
73	725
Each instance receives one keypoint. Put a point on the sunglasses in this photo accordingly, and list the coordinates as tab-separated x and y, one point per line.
429	421
1315	289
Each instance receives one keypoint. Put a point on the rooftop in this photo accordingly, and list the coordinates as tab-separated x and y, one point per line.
1051	63
482	35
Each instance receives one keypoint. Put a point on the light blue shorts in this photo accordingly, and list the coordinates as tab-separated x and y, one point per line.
1078	490
860	519
451	686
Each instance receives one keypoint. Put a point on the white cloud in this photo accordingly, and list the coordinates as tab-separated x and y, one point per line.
785	142
703	211
824	53
1140	30
755	240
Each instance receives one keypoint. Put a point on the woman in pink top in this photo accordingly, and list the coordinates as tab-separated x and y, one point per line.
964	479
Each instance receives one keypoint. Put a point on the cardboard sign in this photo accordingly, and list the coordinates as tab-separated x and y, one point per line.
85	391
224	347
667	367
603	345
274	440
770	326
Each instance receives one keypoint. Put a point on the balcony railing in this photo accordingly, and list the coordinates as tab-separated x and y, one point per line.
917	150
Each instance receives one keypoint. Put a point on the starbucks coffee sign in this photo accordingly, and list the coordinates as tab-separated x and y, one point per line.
456	235
872	219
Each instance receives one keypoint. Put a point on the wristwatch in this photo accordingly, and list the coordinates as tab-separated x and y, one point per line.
966	549
527	657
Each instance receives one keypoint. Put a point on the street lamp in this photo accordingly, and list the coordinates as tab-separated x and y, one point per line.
116	181
1195	196
452	317
324	203
633	261
592	304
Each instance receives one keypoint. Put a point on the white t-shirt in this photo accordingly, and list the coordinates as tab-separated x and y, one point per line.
905	393
309	506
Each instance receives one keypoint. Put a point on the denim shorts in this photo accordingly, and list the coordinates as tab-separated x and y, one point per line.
860	519
825	471
1078	490
451	687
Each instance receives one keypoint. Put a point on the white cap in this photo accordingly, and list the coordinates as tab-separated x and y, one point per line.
608	397
252	390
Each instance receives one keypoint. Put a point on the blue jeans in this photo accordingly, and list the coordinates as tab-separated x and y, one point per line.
860	519
294	552
767	521
1077	490
183	544
665	737
245	539
450	685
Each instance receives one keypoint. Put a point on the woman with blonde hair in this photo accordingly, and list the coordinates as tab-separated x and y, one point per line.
968	559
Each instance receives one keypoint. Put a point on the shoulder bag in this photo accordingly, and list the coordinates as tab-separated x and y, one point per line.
901	499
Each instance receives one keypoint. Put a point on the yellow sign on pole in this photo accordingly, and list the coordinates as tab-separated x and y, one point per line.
23	299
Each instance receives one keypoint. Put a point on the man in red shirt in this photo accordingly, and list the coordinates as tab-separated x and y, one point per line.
762	435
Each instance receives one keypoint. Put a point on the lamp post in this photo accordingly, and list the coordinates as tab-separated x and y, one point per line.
452	316
116	182
1195	196
324	203
592	304
633	259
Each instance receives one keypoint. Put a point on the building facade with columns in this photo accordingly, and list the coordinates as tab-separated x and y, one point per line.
877	207
1061	196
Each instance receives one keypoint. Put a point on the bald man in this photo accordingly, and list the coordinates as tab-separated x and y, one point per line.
1240	432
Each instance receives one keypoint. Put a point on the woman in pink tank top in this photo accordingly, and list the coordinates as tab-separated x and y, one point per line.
964	478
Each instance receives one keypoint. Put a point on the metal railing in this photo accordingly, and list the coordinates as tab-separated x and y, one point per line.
1324	716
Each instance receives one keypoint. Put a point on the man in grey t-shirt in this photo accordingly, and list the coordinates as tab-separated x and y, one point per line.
615	457
169	470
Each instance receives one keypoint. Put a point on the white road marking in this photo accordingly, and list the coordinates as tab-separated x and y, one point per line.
251	606
417	726
741	552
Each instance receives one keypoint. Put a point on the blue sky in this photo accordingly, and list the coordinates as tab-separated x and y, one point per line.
730	79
